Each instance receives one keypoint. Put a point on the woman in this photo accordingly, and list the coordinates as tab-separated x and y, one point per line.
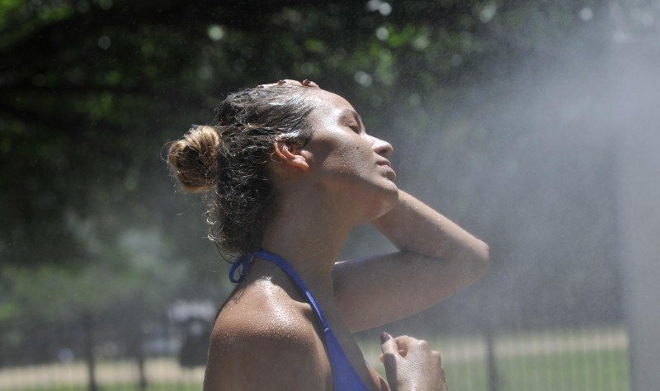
293	171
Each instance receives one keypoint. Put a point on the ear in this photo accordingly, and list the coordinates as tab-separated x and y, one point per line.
291	153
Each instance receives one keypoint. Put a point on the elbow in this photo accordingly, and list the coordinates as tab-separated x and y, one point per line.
480	259
485	256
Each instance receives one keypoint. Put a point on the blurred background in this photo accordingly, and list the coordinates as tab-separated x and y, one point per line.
508	116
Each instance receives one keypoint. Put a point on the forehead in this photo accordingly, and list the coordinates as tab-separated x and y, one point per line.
329	104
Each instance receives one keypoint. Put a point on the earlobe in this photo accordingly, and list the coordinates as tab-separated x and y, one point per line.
289	152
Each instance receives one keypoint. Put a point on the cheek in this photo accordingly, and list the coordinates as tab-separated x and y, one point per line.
344	156
356	159
347	158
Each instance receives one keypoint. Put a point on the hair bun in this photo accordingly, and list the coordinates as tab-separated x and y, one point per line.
194	158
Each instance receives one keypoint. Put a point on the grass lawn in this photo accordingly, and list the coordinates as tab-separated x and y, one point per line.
578	360
581	360
597	371
129	387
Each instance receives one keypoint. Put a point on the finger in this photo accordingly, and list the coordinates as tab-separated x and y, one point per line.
405	344
388	345
390	353
436	355
381	357
309	83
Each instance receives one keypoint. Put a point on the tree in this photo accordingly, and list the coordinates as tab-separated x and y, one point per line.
90	91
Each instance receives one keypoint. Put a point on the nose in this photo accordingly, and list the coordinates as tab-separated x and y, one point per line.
382	147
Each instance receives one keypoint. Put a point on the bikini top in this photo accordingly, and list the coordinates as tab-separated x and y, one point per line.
344	376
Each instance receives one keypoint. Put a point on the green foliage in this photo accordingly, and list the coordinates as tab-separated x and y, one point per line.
131	287
90	91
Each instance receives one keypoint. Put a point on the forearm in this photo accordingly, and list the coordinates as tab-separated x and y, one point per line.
414	226
438	255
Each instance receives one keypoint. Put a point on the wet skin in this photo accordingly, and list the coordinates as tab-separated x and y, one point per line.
266	336
346	162
351	170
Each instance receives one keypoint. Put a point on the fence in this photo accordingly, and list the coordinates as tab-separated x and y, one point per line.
592	358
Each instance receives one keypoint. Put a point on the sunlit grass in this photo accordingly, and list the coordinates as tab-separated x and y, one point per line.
128	387
579	360
598	371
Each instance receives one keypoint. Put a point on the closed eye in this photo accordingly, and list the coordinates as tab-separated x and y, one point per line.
352	120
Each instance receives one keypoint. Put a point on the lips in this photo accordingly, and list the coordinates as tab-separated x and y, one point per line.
386	163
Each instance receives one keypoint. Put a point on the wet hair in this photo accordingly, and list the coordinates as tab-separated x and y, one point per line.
230	157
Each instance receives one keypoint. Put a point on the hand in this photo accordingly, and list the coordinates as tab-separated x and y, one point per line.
410	365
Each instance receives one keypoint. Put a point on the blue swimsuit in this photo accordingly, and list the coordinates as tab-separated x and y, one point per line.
344	376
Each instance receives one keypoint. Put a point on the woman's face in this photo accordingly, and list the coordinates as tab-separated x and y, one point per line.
345	160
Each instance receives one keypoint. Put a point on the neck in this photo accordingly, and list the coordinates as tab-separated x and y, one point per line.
308	232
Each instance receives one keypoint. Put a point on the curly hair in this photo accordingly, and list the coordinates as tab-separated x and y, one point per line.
231	157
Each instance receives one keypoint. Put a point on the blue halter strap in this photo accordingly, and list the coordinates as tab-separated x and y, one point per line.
242	265
345	377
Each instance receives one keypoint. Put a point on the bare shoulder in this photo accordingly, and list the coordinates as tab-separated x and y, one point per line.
263	339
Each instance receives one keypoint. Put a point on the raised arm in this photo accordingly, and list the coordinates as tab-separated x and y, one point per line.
413	226
436	259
